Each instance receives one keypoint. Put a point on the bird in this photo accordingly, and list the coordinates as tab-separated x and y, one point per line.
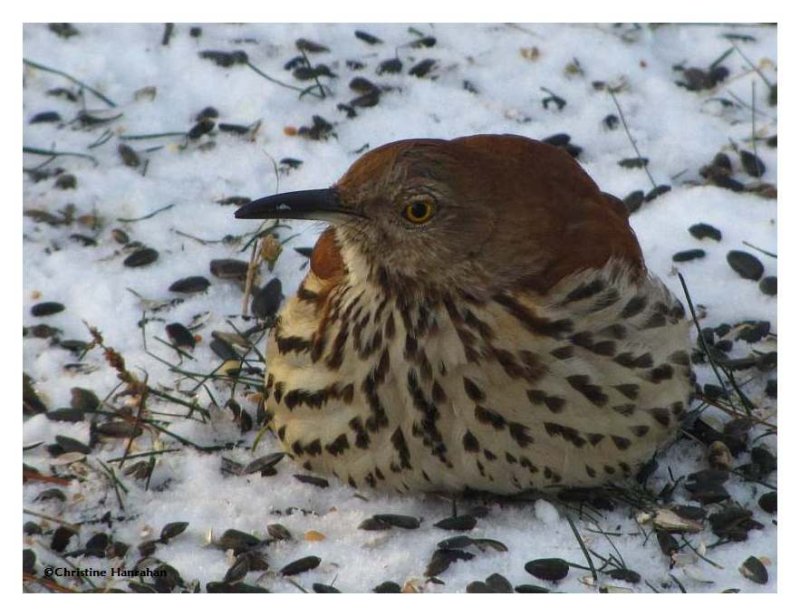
477	317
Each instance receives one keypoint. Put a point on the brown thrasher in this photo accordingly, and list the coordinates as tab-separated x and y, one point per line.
479	317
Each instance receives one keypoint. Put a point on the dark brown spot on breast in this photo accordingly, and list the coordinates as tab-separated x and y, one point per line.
473	391
629	390
488	416
640	431
470	443
593	393
633	307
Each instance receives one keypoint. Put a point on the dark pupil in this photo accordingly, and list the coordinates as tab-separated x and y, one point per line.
419	210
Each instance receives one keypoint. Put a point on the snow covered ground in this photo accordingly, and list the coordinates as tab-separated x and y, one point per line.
96	204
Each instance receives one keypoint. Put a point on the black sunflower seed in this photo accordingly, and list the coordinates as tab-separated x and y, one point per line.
128	155
745	264
634	201
733	523
363	86
422	68
166	578
279	532
224	58
84	399
393	65
461	522
657	192
443	558
551	569
291	163
69	445
267	299
45	117
203	127
147	548
425	41
498	583
457	542
118	429
28	561
368	38
398	521
753	569
477	587
172	530
141	257
51	494
179	335
752	164
65	414
625	575
323	588
237	587
263	463
769	285
531	588
668	544
370	99
238	541
305	251
67	181
223	349
61	538
229	269
688	255
753	331
192	284
769	502
45	309
31	528
303	44
633	163
320	482
703	230
301	565
373	524
387	587
494	544
233	129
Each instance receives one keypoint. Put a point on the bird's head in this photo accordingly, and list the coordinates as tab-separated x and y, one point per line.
487	211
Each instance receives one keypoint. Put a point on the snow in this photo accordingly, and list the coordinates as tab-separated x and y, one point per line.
678	130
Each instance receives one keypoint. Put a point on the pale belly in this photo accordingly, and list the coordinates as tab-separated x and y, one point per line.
498	396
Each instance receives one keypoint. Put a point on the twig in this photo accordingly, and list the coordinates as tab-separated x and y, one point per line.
42	67
630	137
583	547
42	152
761	250
701	338
150	215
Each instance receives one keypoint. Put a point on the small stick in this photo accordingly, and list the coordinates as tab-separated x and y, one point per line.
630	137
42	152
158	211
42	67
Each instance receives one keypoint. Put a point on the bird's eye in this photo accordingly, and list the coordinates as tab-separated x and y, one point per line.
419	211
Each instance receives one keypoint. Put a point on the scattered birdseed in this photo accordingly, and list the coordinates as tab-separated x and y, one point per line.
703	230
301	565
128	155
443	558
393	65
387	587
237	541
69	445
368	38
267	299
320	482
192	284
46	309
398	521
634	201
688	255
752	164
753	569
769	502
550	569
745	264
530	588
323	588
461	522
229	269
769	285
179	335
141	257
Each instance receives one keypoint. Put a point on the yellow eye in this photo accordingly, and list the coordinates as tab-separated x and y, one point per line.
419	211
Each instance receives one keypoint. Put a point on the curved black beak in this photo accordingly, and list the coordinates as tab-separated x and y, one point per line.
320	204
